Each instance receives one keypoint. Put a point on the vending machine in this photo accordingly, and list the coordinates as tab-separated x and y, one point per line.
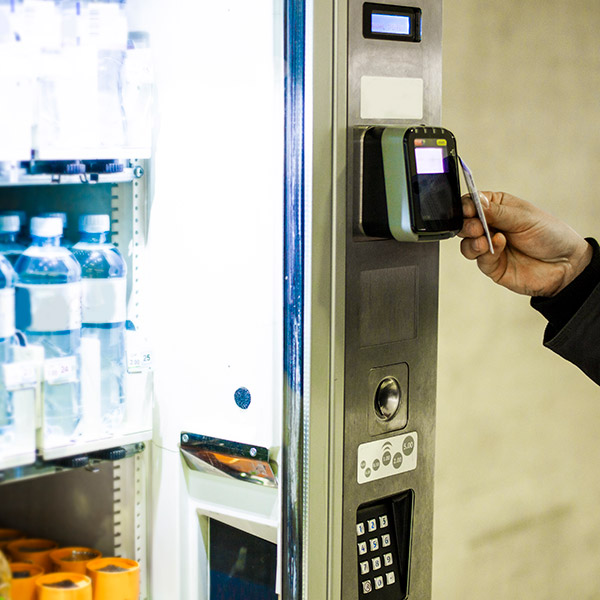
277	181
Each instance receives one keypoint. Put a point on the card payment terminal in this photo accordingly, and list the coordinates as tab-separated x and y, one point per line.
411	187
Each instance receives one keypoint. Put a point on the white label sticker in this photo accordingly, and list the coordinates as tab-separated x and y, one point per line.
60	370
48	307
391	98
387	457
7	312
19	375
104	300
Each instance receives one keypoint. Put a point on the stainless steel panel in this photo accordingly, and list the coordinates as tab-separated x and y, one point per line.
397	59
407	288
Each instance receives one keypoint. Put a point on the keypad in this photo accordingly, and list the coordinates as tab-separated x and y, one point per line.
377	555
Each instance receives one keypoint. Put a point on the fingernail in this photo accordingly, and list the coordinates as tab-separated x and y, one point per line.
484	200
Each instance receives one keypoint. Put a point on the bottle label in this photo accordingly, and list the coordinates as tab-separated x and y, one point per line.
104	300
7	312
48	307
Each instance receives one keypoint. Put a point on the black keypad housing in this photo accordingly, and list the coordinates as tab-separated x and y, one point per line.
383	538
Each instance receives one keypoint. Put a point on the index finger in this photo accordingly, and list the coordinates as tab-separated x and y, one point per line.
468	206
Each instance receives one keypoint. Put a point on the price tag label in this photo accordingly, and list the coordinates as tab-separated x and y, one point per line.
60	370
138	361
19	375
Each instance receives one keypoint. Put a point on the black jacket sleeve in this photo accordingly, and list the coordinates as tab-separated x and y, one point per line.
573	329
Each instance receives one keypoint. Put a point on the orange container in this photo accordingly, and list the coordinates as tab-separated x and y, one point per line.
10	535
24	578
34	550
114	578
64	586
73	559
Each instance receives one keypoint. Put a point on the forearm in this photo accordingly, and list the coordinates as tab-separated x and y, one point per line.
573	315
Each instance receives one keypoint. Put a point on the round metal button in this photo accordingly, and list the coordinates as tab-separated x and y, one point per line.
387	398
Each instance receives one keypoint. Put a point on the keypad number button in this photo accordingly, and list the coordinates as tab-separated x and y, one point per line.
371	524
388	559
386	540
360	529
367	587
376	563
383	521
374	544
364	567
390	578
362	547
378	582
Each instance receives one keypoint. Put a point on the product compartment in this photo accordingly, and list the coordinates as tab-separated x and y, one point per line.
79	361
59	521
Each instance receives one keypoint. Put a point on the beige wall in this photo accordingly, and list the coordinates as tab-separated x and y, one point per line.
518	432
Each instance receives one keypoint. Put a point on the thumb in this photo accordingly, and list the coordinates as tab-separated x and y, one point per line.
507	213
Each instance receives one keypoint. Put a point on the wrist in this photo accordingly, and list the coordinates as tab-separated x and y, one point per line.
578	262
582	260
559	309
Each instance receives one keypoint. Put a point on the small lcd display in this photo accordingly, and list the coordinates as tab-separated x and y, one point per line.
390	24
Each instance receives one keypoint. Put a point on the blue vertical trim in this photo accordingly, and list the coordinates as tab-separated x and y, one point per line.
293	417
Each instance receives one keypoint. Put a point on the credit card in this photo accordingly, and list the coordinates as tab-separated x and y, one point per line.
474	193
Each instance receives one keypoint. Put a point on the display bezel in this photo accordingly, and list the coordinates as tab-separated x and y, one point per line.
414	14
418	223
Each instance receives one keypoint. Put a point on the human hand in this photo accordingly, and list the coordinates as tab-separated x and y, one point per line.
535	253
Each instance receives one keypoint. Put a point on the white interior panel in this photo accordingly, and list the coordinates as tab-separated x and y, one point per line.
214	258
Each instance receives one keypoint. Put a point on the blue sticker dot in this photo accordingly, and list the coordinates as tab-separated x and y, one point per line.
242	398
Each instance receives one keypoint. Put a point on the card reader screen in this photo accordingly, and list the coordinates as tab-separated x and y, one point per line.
429	160
434	188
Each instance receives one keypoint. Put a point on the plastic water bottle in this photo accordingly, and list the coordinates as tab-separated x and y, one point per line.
104	306
48	311
7	331
10	226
